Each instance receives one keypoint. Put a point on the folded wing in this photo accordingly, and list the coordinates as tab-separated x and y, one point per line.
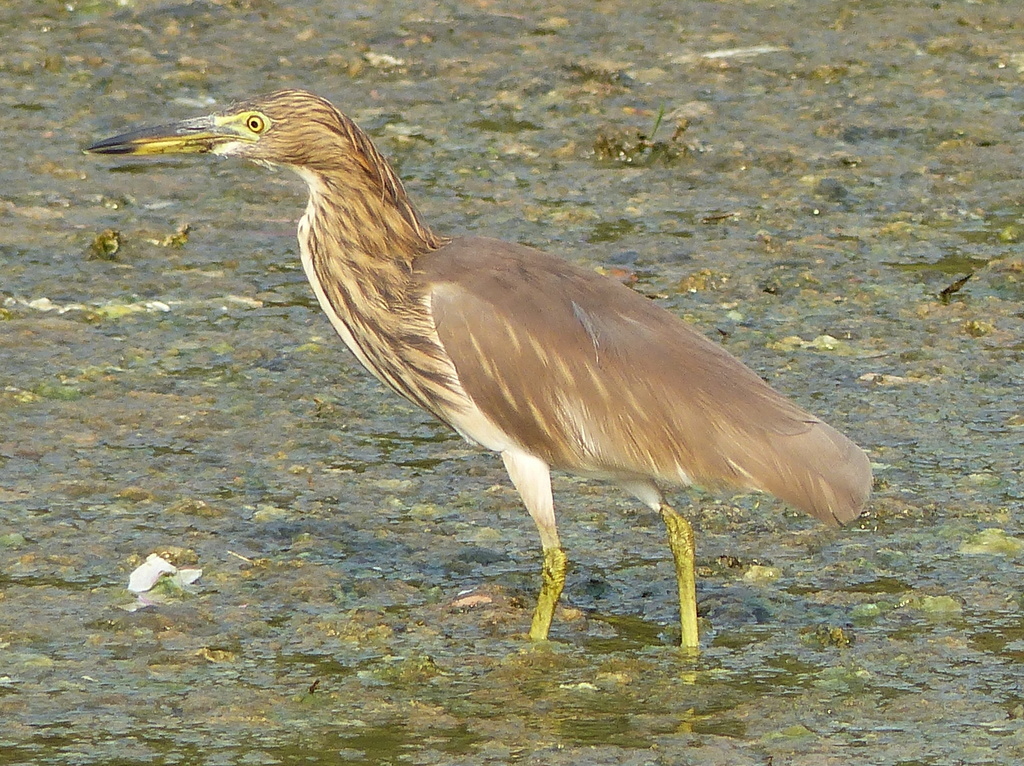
593	378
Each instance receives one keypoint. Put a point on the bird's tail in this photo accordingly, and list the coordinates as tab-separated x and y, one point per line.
819	471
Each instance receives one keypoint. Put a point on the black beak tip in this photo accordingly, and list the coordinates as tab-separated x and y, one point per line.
108	146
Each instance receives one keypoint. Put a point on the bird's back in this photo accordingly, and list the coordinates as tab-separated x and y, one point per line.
593	378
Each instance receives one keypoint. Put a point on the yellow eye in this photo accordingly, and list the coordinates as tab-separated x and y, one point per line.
255	123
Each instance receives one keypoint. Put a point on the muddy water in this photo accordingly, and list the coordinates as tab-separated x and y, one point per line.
366	575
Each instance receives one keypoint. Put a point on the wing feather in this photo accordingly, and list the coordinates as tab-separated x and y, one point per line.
593	378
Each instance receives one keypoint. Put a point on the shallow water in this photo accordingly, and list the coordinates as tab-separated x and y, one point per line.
843	165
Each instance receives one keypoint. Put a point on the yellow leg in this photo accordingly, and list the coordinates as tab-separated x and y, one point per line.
680	539
553	580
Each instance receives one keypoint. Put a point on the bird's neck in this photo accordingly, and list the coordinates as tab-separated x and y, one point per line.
358	202
362	229
358	252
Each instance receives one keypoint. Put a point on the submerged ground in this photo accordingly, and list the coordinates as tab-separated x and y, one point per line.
823	177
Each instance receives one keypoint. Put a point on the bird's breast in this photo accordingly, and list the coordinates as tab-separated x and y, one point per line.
327	306
394	340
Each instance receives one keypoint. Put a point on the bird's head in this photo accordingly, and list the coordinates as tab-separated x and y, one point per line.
289	127
360	192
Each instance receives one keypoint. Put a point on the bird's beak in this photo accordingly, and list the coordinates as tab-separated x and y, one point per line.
199	135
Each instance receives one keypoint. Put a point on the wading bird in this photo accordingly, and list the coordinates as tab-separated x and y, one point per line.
547	363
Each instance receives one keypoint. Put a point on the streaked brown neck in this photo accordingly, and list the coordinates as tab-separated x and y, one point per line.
360	237
359	201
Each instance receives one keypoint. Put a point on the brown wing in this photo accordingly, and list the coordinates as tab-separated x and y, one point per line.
593	378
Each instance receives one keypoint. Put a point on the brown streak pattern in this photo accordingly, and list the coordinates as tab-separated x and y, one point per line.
364	236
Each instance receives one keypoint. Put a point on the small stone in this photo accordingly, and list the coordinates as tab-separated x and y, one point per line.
866	611
759	573
797	731
939	605
1011	233
832	190
12	540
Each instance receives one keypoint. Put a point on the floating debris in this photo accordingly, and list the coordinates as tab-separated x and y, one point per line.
978	328
105	246
632	146
177	239
827	636
471	600
384	61
819	343
883	379
109	309
950	290
144	577
747	52
156	569
719	217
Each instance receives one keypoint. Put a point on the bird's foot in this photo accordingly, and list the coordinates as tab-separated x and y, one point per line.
552	582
